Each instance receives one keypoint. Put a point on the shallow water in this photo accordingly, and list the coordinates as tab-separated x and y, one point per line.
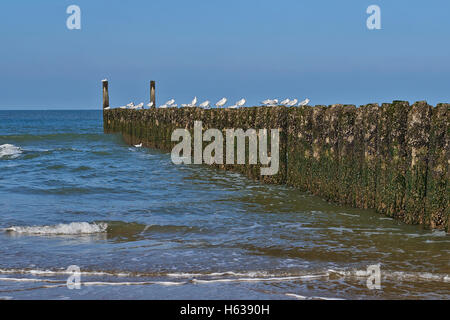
141	227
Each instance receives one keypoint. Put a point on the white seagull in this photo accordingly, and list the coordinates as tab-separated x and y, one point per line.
164	106
104	80
139	106
150	104
270	102
285	102
204	104
138	145
292	103
192	104
130	105
170	102
304	102
123	107
107	108
221	102
238	104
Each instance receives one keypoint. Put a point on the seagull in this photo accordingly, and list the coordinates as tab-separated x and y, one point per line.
107	108
170	102
138	145
104	80
123	107
139	106
192	104
292	103
270	102
240	103
204	104
150	104
221	102
164	106
173	106
285	102
304	102
130	105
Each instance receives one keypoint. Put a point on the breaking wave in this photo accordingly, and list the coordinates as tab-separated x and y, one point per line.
73	228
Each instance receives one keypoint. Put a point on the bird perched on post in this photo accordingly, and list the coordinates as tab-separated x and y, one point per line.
270	102
204	104
304	102
192	104
221	102
238	104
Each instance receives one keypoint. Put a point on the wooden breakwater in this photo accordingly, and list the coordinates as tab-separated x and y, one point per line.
392	158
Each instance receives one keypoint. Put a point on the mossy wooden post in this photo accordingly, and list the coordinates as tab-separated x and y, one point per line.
438	188
105	94
152	93
391	185
417	143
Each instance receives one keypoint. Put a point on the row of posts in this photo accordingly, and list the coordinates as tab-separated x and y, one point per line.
106	94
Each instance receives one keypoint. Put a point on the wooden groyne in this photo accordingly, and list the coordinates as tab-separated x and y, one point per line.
393	158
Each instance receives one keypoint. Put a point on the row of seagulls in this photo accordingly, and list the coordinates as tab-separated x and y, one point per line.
286	102
221	103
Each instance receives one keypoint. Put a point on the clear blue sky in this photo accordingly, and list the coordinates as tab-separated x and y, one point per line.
255	49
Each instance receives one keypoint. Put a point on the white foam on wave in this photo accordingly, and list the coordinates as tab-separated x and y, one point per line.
396	275
10	151
297	296
271	279
73	228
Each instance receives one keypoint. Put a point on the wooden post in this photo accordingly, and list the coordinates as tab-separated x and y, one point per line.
105	94
152	93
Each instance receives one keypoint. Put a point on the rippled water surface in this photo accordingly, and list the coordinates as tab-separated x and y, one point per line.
141	227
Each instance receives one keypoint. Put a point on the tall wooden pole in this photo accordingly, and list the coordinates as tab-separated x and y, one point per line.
152	93
105	94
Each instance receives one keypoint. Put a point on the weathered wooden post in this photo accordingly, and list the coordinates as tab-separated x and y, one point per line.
152	94
105	94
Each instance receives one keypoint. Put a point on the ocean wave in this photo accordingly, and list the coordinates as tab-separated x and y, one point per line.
9	151
73	228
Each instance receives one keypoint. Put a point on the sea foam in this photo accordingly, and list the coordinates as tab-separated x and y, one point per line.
61	229
10	151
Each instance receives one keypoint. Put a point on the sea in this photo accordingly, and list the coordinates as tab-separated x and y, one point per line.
85	216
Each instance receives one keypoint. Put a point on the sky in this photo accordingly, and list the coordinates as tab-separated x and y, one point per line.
253	49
